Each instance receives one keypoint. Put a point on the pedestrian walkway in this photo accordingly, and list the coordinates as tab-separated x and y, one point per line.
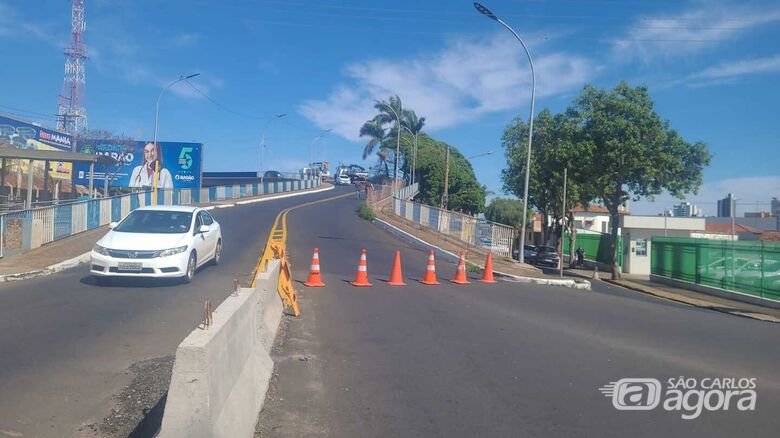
642	283
476	255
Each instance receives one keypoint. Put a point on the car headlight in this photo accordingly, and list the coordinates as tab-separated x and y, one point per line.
101	250
171	251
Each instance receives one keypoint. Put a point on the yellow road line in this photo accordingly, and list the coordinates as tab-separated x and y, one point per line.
278	233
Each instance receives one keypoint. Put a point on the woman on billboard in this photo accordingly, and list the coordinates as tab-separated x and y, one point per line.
143	175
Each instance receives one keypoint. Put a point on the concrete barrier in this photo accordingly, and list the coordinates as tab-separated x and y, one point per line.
221	374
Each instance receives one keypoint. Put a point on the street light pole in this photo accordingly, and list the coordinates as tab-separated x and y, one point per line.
486	12
156	120
262	145
311	149
397	144
414	154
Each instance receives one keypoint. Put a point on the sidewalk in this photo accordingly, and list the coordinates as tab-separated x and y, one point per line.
476	255
38	260
642	283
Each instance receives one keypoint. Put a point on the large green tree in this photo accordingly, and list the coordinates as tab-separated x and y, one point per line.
465	192
554	149
628	152
506	211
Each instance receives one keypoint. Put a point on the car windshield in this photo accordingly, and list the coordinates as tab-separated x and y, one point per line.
156	221
547	249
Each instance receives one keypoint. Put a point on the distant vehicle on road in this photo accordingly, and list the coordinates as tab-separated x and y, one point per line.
158	241
527	253
273	174
343	179
545	255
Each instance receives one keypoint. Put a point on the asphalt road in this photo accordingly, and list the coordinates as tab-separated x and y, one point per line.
508	359
66	344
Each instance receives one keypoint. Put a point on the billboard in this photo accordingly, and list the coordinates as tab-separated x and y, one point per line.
180	164
24	135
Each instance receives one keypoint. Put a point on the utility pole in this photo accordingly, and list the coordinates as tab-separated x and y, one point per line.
445	196
563	222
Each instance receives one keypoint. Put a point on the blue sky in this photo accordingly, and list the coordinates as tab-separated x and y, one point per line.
713	68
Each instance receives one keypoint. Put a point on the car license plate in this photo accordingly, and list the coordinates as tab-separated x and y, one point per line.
136	267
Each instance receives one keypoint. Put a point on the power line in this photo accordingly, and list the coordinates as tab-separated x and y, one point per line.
225	108
32	113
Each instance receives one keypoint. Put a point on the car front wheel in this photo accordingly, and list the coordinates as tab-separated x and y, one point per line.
191	264
217	252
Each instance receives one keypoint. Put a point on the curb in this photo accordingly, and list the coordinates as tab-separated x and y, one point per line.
53	269
584	285
84	258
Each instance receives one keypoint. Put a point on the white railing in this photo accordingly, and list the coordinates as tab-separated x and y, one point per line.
23	230
467	229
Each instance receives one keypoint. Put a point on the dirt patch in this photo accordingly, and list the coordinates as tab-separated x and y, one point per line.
139	406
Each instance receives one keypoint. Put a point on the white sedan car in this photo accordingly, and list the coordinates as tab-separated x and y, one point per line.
158	241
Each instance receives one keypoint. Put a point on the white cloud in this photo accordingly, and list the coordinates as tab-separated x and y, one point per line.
466	79
691	31
740	68
748	190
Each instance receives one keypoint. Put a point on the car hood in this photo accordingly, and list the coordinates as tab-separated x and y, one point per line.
142	241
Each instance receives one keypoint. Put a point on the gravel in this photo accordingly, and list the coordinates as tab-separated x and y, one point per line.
139	406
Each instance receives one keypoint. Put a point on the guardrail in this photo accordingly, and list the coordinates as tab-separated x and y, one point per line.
407	192
23	230
470	230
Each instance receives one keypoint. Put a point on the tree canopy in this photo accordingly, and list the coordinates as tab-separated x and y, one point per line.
616	148
506	211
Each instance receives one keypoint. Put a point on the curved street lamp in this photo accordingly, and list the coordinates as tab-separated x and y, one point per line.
414	154
486	12
311	149
262	145
156	120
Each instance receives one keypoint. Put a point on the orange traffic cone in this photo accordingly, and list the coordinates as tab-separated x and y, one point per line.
314	272
487	273
430	271
396	277
460	273
361	276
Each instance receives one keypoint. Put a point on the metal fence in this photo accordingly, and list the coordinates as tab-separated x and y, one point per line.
596	246
23	230
467	229
749	267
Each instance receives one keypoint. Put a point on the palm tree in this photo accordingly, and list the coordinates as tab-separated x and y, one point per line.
376	136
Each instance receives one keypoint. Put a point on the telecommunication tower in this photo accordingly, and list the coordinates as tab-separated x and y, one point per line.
71	114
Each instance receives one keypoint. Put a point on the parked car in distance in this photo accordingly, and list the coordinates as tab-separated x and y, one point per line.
528	252
545	255
342	179
158	241
272	174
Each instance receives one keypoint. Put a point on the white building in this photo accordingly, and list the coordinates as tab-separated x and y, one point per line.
594	218
686	209
639	230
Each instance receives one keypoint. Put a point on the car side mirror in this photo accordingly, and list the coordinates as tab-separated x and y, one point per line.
204	229
112	225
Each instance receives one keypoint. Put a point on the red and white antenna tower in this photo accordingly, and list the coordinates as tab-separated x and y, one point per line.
71	114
